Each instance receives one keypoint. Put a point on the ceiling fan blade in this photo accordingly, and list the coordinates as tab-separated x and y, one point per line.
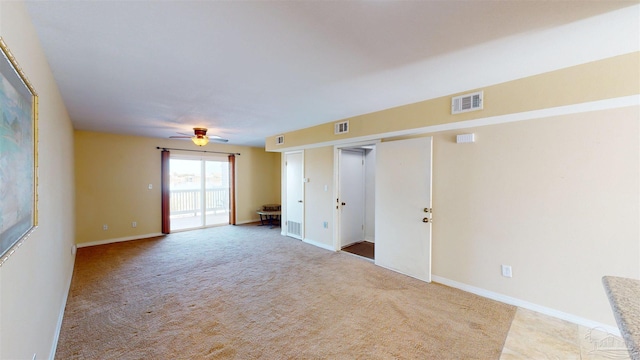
179	137
218	139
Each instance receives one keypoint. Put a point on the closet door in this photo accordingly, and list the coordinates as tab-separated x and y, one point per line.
294	194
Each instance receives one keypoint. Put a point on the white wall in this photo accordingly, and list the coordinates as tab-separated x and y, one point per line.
34	281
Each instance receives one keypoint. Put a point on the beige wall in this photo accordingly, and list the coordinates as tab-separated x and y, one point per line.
556	196
113	173
319	203
35	279
604	79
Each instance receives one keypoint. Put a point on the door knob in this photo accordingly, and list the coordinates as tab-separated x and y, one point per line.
425	220
344	204
299	201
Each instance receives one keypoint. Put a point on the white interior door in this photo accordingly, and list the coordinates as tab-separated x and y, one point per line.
351	196
403	191
294	201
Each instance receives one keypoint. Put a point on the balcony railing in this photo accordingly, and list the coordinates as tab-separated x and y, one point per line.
189	201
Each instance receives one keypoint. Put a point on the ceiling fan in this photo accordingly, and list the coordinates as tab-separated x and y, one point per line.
200	137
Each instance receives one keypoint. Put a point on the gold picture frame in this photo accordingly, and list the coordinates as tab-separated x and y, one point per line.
18	155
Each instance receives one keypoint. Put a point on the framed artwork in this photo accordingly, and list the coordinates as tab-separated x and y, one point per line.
18	155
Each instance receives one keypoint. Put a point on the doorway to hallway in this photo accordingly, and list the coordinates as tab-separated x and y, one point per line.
398	179
355	179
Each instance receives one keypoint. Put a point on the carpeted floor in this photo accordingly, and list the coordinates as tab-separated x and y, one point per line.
364	249
245	292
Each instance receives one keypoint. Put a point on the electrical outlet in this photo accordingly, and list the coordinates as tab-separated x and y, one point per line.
506	271
134	224
105	227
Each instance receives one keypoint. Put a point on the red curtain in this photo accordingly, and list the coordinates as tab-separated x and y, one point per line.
165	182
232	189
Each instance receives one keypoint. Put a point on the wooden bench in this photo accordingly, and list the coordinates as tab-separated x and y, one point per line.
270	215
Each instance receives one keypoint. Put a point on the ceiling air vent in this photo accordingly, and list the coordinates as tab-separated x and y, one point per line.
468	102
341	127
279	139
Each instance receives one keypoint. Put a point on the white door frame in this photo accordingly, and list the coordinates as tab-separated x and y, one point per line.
283	192
336	184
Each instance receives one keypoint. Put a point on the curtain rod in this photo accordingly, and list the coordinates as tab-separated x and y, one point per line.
204	151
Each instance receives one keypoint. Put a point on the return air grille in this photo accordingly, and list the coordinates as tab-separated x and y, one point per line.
465	103
294	228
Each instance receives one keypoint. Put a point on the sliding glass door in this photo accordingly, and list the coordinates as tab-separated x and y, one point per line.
216	184
199	192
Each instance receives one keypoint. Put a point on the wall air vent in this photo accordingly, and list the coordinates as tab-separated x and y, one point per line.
341	127
294	228
465	103
279	139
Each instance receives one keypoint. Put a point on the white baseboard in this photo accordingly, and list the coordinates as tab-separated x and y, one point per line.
527	305
318	244
56	335
110	241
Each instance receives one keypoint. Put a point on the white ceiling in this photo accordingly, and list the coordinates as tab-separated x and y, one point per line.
251	69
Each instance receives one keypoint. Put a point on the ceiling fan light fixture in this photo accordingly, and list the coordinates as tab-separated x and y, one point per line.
200	140
199	137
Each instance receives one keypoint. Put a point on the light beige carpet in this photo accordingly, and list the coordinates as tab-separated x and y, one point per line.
245	292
